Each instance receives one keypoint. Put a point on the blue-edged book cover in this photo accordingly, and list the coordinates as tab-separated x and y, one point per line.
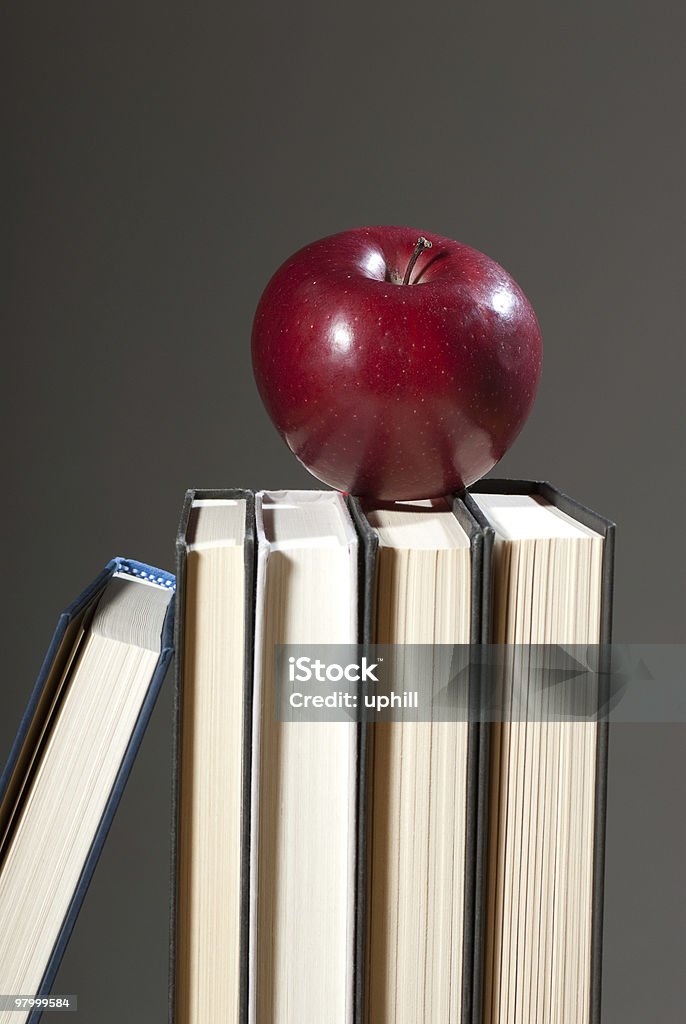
42	713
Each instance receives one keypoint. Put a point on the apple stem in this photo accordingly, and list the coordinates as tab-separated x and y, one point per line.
422	244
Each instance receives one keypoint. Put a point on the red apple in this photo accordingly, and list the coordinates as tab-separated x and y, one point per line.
395	364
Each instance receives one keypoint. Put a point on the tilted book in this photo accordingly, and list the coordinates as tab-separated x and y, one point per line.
70	761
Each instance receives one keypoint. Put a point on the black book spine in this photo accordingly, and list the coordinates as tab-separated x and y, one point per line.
367	556
481	634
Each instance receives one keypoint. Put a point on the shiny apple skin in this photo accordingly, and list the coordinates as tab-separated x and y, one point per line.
392	391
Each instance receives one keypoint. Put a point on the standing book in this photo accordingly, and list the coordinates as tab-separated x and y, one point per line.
305	774
550	584
69	764
423	828
212	763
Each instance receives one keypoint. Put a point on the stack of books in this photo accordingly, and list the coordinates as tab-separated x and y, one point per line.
330	871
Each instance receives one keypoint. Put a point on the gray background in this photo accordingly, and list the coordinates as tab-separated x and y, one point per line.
159	162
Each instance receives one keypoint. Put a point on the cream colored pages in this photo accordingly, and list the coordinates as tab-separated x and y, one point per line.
304	774
212	749
547	577
417	780
67	797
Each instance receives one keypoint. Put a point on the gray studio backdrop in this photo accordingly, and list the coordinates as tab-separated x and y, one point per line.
159	162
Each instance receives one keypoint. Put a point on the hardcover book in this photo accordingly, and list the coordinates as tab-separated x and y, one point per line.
550	584
422	825
69	764
305	774
213	724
